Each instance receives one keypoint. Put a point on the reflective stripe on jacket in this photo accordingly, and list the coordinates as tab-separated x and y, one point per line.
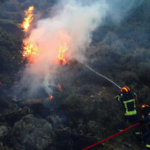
128	102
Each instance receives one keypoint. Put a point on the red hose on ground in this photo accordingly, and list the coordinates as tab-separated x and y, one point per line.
111	136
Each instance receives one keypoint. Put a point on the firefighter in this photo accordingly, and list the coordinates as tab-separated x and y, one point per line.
126	98
145	110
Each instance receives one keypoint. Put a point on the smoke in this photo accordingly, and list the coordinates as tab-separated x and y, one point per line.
119	9
69	25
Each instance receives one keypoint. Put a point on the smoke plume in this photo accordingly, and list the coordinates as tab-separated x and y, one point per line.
70	25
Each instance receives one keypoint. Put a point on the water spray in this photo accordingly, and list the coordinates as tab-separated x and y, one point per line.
101	75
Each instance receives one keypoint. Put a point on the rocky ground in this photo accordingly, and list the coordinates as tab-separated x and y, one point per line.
70	124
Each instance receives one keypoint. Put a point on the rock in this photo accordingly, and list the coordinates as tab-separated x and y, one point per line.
25	110
33	133
13	106
15	115
4	130
54	120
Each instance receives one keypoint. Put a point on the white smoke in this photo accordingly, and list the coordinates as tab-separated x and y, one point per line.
119	9
76	20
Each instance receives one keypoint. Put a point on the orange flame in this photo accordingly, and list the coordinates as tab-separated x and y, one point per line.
29	17
59	87
62	50
63	47
50	97
29	49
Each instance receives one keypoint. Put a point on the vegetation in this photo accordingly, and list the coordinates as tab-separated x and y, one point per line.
10	56
14	10
122	54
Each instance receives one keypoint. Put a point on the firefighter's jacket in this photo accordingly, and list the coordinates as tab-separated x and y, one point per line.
147	120
146	135
129	103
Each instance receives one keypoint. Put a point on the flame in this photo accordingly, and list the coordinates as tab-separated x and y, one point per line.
29	52
29	17
59	87
62	50
63	47
29	49
32	50
50	97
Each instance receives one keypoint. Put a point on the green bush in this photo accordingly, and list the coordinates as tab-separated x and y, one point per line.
10	56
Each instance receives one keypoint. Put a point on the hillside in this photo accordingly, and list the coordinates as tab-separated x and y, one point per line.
85	110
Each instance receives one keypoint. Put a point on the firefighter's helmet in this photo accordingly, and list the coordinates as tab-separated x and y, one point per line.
143	106
125	89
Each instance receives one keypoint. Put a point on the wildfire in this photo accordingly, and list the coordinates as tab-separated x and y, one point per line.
29	49
32	51
29	17
63	47
62	50
50	97
59	87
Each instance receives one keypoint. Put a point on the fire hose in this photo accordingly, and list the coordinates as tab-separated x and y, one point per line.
114	84
109	81
102	76
111	136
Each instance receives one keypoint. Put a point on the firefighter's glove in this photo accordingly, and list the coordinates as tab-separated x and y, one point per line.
121	94
142	121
